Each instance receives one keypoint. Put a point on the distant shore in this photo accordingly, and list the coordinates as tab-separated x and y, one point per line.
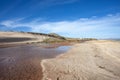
9	39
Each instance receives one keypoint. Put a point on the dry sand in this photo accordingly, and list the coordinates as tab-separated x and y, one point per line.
16	37
92	60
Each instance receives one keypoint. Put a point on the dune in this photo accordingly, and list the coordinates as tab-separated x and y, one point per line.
8	39
91	60
22	36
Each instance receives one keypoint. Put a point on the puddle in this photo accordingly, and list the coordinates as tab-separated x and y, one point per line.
63	48
23	62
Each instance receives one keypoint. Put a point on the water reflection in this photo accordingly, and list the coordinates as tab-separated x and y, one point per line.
63	48
23	62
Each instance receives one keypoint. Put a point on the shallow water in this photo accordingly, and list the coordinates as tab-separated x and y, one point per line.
23	62
63	48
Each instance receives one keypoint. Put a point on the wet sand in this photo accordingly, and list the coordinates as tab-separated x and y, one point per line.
23	62
91	60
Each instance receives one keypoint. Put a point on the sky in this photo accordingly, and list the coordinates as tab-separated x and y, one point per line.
69	18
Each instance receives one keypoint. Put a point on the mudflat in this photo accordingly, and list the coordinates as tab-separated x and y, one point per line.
91	60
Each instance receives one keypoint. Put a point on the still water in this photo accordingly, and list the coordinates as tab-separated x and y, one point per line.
23	62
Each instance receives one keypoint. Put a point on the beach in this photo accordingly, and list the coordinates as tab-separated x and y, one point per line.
30	56
90	60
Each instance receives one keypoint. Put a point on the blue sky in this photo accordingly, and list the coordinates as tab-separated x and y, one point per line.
70	18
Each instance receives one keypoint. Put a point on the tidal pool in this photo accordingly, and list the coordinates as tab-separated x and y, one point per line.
23	62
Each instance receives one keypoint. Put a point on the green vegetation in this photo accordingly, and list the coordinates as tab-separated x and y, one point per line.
57	40
53	40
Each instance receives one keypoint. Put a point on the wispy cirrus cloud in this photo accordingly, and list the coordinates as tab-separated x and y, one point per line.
48	3
99	27
55	2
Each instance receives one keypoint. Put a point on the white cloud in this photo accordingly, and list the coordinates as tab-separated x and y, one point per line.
107	26
12	23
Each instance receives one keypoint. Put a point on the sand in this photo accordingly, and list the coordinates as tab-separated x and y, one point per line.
8	39
91	60
20	37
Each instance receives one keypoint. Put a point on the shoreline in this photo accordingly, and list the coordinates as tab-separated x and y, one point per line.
23	61
83	66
